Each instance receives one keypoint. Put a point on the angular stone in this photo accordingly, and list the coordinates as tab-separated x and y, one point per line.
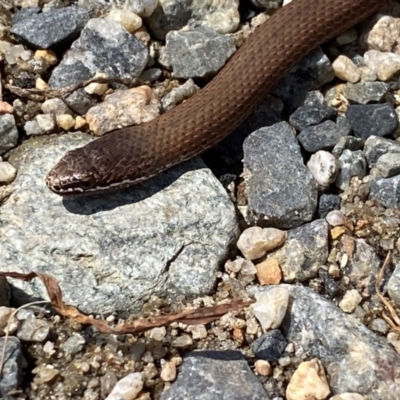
281	191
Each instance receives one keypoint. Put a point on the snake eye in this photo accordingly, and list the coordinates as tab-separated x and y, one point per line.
87	184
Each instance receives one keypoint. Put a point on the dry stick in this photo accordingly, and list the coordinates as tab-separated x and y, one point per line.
3	353
396	324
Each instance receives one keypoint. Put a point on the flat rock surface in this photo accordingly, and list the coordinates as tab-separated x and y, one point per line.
112	251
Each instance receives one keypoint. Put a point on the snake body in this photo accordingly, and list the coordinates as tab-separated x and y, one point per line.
126	156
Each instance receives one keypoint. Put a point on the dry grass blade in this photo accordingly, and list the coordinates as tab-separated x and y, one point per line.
190	317
394	321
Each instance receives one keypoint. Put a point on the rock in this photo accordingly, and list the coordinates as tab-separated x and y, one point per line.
268	272
269	346
123	108
376	146
127	388
168	372
347	142
324	168
220	16
45	122
389	164
65	121
11	376
323	331
348	396
335	218
262	367
33	128
199	53
7	172
379	325
33	330
394	285
363	266
309	74
327	203
24	13
365	92
8	133
53	28
346	70
255	242
306	116
6	313
331	286
205	373
319	137
309	381
128	19
80	101
55	107
386	191
350	301
270	308
144	8
281	190
372	119
104	46
74	344
385	65
305	250
178	94
167	235
351	164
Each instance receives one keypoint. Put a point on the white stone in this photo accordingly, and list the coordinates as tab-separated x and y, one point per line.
128	19
350	301
270	307
7	172
324	168
384	64
335	218
127	388
46	122
346	70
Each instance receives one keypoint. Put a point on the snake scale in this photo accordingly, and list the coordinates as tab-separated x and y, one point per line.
126	156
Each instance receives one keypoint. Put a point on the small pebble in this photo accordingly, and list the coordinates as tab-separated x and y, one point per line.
127	388
128	19
324	168
268	272
65	121
350	301
255	242
335	218
7	172
346	70
46	122
308	382
168	372
262	367
96	88
270	307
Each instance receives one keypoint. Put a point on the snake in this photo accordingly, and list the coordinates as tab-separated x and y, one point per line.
129	155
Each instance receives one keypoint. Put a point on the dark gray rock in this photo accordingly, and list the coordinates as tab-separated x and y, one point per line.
343	125
319	137
5	292
198	53
281	190
269	346
8	133
347	142
306	116
331	286
365	92
356	359
11	373
24	13
305	250
314	99
372	119
80	101
309	74
103	47
389	164
327	203
211	375
352	163
386	191
52	28
376	146
363	267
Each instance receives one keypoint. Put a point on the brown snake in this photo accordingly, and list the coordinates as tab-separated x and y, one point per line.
129	155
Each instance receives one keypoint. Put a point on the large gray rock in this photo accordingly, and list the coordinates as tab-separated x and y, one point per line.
103	47
198	53
110	252
11	372
52	28
211	375
355	358
281	190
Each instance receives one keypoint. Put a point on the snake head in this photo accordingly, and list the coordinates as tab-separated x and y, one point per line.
71	176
